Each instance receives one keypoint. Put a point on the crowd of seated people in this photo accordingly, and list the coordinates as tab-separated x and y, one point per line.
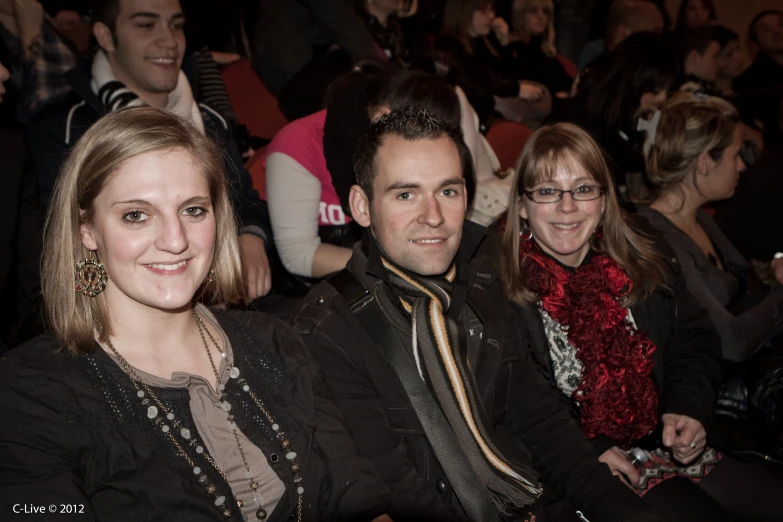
381	322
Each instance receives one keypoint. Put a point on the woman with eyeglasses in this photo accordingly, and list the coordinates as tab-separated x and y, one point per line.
634	355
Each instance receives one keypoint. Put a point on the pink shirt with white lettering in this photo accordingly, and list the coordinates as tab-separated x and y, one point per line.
302	140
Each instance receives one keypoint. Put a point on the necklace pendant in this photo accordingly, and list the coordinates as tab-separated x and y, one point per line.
261	514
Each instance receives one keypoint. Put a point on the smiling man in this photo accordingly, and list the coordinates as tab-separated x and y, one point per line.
142	49
430	363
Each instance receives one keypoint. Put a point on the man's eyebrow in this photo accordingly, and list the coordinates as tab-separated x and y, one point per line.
401	185
144	14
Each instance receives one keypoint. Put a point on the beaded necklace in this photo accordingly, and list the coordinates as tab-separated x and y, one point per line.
155	406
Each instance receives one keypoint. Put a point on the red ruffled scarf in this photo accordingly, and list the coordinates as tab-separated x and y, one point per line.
617	395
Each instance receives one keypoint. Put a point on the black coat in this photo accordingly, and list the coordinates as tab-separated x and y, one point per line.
522	408
687	358
53	133
72	431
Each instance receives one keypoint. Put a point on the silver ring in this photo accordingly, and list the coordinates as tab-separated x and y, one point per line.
693	445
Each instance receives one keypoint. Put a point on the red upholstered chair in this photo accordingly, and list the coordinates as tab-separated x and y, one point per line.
507	140
254	104
568	65
257	171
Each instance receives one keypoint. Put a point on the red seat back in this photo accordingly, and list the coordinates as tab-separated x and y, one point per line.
254	104
507	140
568	65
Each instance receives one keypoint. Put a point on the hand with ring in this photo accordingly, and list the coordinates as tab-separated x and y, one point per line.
685	436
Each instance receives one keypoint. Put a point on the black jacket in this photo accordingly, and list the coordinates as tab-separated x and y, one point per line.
54	131
687	358
523	409
72	431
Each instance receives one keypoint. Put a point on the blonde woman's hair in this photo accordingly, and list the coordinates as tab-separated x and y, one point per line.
458	20
565	146
113	140
690	124
518	10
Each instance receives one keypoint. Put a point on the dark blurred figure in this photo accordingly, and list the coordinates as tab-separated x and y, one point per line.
699	50
300	46
532	46
635	77
695	13
766	31
625	17
600	14
37	56
730	60
751	219
475	39
20	248
396	28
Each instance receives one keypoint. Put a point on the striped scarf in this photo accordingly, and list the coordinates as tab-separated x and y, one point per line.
443	367
115	95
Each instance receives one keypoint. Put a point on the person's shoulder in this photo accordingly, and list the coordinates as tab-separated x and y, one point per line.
39	366
69	118
213	118
299	133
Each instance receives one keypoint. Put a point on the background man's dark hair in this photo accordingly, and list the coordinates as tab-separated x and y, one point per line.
698	39
410	123
105	12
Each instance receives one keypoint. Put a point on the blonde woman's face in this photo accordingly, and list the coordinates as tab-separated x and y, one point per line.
721	179
154	229
564	229
535	19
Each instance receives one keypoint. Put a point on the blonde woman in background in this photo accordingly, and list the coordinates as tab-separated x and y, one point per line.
532	46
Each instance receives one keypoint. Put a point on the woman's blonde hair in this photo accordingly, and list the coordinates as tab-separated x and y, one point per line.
458	19
690	125
518	10
564	146
109	143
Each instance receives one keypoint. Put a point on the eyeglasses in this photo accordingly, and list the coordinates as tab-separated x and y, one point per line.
553	195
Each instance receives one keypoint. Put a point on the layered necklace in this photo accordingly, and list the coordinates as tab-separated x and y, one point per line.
156	410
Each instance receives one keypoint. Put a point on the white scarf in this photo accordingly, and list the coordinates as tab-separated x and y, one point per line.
115	95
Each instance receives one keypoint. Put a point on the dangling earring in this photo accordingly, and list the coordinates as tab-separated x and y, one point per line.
599	232
525	234
91	277
211	277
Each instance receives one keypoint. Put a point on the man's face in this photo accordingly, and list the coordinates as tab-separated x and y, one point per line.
418	203
704	66
769	33
148	46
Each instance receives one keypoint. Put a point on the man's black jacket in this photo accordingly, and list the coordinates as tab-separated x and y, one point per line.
522	407
54	131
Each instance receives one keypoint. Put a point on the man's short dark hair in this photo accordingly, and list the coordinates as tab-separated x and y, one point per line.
105	12
698	39
410	123
725	36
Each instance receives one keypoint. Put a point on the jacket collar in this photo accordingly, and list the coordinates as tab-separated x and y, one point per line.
80	80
